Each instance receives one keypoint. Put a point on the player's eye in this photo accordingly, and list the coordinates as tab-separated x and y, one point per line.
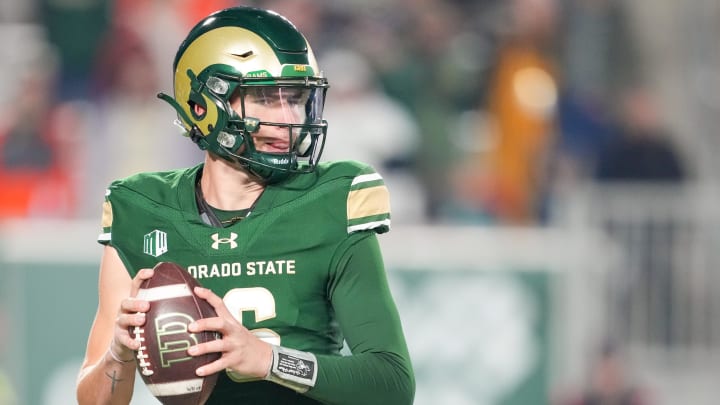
294	96
269	96
259	95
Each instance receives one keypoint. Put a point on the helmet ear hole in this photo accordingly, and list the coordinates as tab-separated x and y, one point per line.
198	108
198	111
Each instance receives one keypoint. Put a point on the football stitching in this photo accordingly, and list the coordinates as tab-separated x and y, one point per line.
141	354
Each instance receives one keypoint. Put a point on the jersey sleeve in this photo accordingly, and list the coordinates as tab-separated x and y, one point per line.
379	370
368	203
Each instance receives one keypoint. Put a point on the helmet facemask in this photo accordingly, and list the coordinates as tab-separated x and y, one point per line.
272	128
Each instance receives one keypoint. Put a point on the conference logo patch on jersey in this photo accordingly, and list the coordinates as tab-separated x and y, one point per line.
224	241
368	204
155	243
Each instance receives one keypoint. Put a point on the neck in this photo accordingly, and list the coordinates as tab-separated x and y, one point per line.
228	187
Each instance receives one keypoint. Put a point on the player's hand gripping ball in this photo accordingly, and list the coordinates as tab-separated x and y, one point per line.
162	360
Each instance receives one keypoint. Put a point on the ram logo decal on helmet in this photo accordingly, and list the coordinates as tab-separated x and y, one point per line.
232	54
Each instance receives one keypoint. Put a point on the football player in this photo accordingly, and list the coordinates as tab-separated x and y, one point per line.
284	246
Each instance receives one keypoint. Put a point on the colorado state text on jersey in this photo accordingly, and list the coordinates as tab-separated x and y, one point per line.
234	269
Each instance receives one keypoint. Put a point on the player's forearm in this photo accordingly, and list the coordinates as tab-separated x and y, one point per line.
108	382
363	379
379	371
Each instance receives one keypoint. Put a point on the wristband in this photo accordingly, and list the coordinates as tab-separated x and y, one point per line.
293	369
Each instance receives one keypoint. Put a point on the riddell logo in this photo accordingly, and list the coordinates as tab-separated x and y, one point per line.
155	243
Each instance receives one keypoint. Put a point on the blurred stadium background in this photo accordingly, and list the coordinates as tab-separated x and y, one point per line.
552	165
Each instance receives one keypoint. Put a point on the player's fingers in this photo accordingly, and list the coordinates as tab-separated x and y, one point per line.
238	362
123	338
133	305
213	346
215	324
211	368
141	276
125	321
213	300
122	341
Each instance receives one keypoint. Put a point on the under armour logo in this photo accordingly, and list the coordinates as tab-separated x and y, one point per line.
218	240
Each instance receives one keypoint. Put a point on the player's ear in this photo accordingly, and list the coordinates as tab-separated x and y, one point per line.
198	109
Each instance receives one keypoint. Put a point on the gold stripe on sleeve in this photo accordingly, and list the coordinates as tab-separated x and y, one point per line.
368	201
107	215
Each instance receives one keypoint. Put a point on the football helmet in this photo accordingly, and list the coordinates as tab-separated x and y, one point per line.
248	89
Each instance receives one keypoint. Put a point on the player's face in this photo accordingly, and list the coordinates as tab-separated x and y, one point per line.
281	105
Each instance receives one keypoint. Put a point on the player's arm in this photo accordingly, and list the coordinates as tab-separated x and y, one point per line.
379	370
108	371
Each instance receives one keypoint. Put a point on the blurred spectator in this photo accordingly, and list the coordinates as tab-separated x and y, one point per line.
421	58
470	200
75	29
367	125
521	106
644	150
599	59
36	142
585	125
609	382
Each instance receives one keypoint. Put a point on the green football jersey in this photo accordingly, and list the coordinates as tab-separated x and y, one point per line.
302	270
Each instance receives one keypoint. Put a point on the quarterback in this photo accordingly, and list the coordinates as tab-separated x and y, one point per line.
284	246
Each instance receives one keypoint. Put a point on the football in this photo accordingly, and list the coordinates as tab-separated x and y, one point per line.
162	359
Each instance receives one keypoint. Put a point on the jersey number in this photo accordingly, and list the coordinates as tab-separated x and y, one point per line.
258	300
